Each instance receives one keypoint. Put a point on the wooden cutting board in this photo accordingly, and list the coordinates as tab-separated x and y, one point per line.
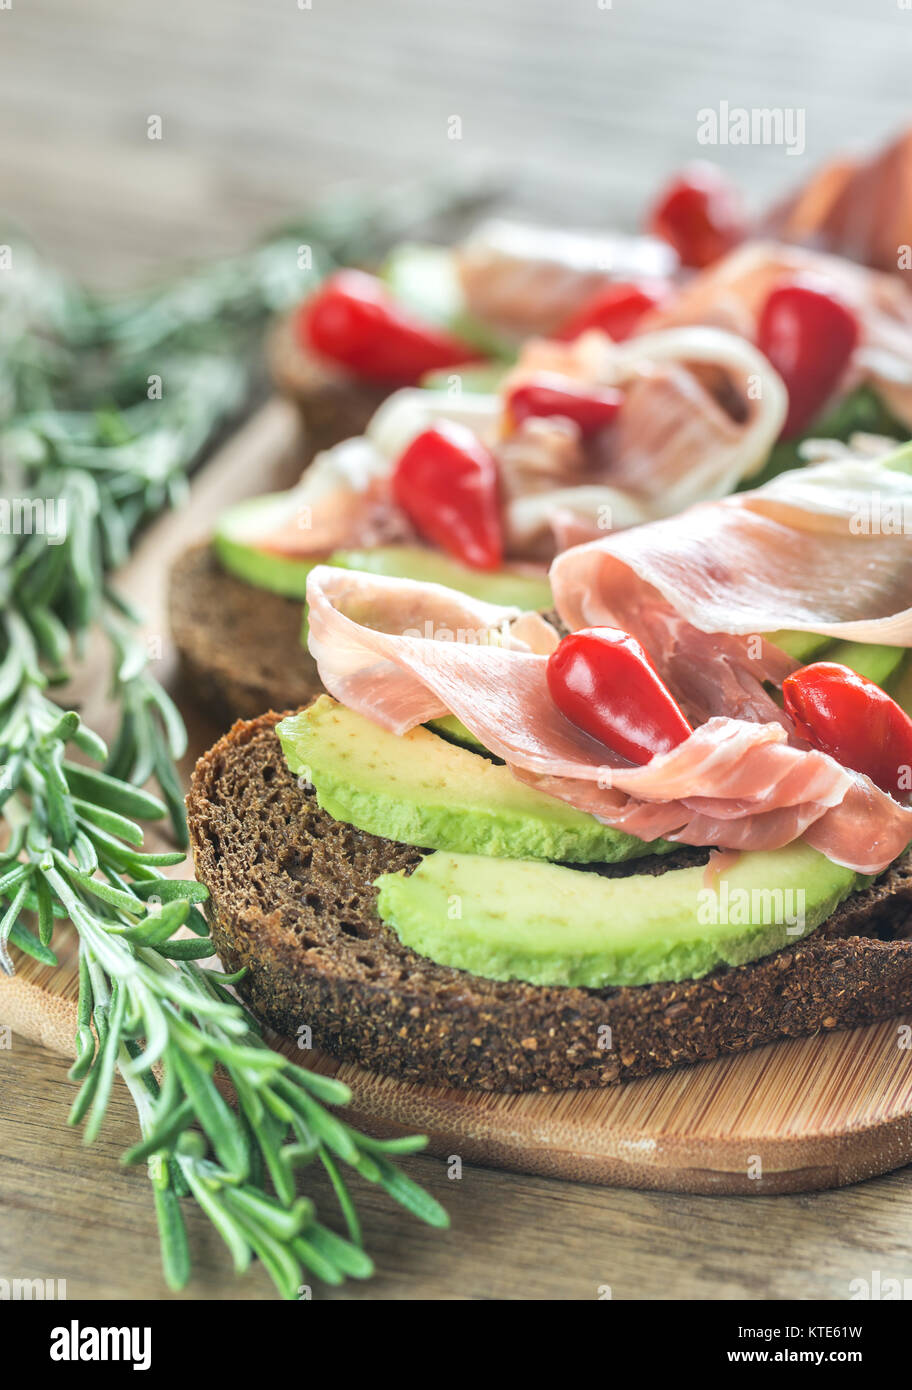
795	1116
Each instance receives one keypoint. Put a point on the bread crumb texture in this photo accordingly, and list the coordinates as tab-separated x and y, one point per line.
291	899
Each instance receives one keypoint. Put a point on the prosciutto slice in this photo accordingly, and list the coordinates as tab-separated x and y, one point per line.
674	441
731	294
526	279
402	653
343	499
856	208
820	549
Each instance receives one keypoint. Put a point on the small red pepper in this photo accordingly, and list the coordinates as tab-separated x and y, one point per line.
616	310
591	408
809	336
446	482
699	214
853	720
603	681
353	319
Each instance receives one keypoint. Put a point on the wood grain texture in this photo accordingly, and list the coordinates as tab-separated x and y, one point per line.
580	107
265	106
793	1117
70	1212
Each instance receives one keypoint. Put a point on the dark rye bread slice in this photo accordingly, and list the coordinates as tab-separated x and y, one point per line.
333	403
291	899
239	647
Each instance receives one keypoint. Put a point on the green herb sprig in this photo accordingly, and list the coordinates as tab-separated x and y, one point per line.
149	1011
81	429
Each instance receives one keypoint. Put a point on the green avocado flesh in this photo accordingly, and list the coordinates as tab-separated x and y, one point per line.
422	790
482	380
877	663
803	646
511	588
453	729
424	279
240	528
235	542
900	684
551	925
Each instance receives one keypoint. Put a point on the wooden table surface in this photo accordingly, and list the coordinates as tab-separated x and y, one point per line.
582	107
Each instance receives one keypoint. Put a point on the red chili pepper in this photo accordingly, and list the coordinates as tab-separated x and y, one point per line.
446	483
853	720
616	310
699	214
354	320
603	681
590	408
809	335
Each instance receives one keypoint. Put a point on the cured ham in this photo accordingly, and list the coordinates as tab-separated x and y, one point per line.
343	498
731	294
700	412
859	208
675	441
777	557
528	280
402	653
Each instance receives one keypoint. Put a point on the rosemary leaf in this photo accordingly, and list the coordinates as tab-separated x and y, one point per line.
106	405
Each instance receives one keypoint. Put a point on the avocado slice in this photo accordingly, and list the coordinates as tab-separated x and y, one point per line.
803	646
900	684
552	925
239	528
875	663
455	731
509	587
425	280
234	542
422	790
900	460
483	380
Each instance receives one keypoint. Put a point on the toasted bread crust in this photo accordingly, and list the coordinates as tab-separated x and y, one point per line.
334	405
291	899
239	647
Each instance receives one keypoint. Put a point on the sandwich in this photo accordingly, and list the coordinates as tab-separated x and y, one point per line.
432	310
839	334
477	491
667	821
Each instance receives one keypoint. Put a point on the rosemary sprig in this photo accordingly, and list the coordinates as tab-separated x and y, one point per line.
104	408
148	1011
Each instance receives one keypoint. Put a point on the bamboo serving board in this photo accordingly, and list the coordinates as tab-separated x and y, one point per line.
795	1116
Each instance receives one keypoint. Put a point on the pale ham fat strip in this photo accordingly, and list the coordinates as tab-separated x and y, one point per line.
672	444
